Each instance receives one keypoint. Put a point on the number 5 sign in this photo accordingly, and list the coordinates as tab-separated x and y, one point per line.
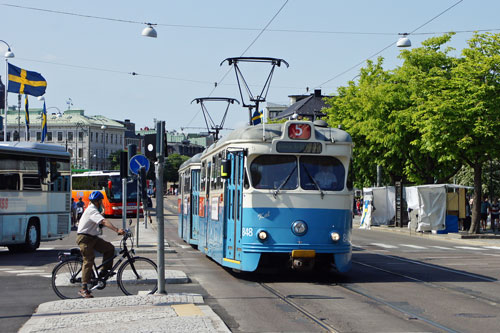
299	131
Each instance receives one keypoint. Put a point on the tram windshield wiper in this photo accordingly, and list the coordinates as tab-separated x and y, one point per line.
314	181
284	182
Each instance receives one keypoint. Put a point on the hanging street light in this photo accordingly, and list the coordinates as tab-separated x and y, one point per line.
404	41
149	31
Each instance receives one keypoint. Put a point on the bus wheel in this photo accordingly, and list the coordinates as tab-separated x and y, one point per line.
32	237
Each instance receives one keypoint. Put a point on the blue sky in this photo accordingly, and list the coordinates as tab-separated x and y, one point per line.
187	59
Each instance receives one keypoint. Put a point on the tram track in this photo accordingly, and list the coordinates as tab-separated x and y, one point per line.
299	308
456	290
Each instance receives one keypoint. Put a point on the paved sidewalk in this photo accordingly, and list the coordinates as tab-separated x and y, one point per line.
153	313
462	237
143	313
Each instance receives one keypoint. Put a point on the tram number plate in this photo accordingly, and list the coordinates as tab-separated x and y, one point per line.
247	232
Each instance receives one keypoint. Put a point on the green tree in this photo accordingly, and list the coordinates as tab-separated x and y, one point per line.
172	164
460	117
114	160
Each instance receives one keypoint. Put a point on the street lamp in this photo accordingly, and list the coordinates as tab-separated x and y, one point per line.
149	31
7	55
79	125
103	127
404	41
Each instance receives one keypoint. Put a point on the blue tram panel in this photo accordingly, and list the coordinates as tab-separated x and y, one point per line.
271	197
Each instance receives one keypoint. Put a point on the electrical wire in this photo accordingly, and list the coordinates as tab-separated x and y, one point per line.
242	54
208	27
391	44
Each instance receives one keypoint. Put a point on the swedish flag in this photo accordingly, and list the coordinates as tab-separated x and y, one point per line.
22	81
257	117
26	114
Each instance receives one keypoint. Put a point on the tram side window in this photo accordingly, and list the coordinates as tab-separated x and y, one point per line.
209	169
213	178
202	177
327	172
274	171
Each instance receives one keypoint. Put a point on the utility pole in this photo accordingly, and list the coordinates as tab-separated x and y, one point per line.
160	160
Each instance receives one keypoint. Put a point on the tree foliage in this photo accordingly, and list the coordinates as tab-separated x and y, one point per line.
423	121
172	164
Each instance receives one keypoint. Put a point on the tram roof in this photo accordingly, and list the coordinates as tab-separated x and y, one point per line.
195	159
274	131
34	148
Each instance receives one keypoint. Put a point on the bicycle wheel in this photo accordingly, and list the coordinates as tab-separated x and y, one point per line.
138	276
67	278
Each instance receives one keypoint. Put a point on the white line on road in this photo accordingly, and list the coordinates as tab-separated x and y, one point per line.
470	248
30	274
492	247
442	247
26	271
385	246
413	246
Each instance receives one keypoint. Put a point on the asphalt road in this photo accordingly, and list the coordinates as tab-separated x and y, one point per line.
397	283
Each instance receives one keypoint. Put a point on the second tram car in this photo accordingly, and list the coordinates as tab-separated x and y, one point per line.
265	197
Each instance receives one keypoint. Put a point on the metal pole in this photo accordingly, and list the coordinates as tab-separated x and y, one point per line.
160	128
19	117
6	103
124	203
137	225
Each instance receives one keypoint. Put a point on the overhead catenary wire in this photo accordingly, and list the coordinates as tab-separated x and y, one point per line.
391	44
208	27
242	54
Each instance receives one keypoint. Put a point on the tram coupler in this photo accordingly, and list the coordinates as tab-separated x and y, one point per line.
302	264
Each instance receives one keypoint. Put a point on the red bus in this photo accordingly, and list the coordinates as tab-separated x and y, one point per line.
110	185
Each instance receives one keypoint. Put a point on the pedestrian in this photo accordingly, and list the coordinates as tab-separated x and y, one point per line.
88	240
358	206
485	208
73	212
80	207
495	213
467	221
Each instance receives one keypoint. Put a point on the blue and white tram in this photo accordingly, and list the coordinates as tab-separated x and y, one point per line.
265	197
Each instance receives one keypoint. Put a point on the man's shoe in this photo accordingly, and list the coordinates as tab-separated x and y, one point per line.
85	293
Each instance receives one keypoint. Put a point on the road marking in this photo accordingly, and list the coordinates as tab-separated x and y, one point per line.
385	246
30	274
492	247
46	248
26	271
442	247
414	246
5	269
470	248
187	310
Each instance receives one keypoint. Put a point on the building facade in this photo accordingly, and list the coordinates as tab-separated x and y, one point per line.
89	139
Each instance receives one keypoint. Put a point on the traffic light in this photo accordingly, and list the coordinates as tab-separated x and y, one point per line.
143	183
150	146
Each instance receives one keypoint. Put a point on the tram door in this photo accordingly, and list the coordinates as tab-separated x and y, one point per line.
195	201
233	202
186	209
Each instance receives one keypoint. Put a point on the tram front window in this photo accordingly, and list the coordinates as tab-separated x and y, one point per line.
327	172
272	171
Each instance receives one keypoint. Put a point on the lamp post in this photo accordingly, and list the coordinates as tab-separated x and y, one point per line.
94	156
103	127
79	125
7	55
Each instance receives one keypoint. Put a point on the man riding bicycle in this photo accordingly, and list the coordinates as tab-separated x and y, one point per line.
88	240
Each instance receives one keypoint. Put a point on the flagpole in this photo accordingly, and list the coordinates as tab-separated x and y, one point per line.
6	103
263	124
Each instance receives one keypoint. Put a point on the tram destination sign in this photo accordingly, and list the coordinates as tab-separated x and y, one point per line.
299	147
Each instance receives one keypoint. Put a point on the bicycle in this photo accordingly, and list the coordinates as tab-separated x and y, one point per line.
136	275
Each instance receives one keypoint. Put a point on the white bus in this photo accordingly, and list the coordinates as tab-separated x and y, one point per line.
35	192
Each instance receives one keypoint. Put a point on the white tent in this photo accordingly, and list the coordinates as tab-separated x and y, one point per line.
382	202
429	205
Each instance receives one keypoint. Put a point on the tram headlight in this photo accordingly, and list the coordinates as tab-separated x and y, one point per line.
299	228
335	236
262	235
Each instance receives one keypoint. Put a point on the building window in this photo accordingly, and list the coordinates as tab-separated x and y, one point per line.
80	136
70	151
120	139
38	136
70	136
91	136
59	136
106	137
80	152
49	136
